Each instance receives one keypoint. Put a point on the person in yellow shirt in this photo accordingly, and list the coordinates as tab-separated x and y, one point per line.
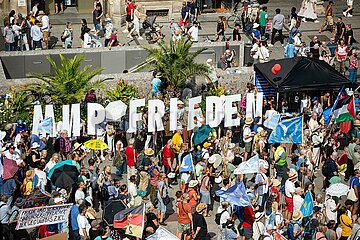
346	224
177	140
26	187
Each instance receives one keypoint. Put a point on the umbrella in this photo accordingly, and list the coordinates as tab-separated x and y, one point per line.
96	144
64	174
10	168
202	134
337	190
115	110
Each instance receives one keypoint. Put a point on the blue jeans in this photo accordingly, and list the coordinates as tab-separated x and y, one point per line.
352	75
9	47
37	44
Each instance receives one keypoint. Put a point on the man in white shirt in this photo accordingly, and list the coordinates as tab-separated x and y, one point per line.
45	27
262	186
289	194
83	223
36	35
225	216
194	32
313	123
13	155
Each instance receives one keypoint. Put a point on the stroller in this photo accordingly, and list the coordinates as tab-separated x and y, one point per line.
149	27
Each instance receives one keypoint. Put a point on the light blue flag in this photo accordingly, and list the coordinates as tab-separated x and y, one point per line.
249	166
288	131
307	206
187	164
329	111
235	195
45	126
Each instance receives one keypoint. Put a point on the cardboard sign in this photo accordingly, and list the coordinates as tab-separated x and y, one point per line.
34	217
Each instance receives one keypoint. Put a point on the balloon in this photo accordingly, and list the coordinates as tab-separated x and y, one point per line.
274	71
277	67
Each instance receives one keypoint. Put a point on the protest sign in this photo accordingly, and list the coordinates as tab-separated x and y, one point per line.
34	217
60	236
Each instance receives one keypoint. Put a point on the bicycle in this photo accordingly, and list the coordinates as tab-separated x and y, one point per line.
233	20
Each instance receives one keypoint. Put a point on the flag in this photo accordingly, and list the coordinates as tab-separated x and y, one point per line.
235	194
45	126
250	166
278	236
329	111
132	220
307	206
345	109
288	131
187	164
162	234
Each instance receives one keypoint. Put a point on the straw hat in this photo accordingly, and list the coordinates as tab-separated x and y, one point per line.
298	190
193	183
77	145
149	152
30	173
158	74
357	123
200	207
179	102
276	182
231	145
259	216
249	120
41	12
108	19
293	175
157	29
215	160
297	215
263	133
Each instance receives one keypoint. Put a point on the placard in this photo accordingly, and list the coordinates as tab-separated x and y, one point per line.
21	3
34	217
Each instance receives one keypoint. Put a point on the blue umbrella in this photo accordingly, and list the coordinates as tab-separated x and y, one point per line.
201	135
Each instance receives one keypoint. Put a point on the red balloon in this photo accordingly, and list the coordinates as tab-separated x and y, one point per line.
274	71
277	67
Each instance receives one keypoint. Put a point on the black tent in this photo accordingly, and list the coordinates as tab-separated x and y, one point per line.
301	74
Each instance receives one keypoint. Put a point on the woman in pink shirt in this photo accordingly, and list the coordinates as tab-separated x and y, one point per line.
341	52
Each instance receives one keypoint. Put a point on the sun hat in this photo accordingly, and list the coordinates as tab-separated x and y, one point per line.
256	25
108	19
58	200
158	29
356	124
171	175
259	216
249	120
231	145
41	12
193	183
259	130
263	133
158	74
218	179
30	173
179	127
179	102
209	60
264	164
276	182
95	223
149	152
297	215
35	145
293	175
207	145
298	190
215	160
77	145
200	207
335	179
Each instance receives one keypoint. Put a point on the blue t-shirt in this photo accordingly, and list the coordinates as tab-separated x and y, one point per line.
35	138
101	238
354	181
156	83
256	33
230	234
19	128
184	10
74	212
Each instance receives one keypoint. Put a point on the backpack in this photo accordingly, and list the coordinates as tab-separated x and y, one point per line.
57	145
140	162
105	192
325	169
290	230
151	171
218	217
262	236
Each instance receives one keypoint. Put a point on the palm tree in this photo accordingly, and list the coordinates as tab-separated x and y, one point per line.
175	62
68	85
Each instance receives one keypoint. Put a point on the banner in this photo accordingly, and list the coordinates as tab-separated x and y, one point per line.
288	131
34	217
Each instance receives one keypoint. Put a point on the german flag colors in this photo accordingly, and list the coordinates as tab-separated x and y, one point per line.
132	220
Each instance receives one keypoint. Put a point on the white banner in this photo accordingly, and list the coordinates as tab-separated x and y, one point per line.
34	217
21	3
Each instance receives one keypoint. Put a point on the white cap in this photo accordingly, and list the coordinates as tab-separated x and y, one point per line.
209	60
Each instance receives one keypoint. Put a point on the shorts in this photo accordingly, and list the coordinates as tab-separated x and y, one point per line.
247	233
248	147
98	27
289	204
182	23
329	21
183	227
128	18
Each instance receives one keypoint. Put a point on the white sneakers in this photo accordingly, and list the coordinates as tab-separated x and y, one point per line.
347	15
125	31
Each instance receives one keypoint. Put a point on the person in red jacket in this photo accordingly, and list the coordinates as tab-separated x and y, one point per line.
168	157
131	156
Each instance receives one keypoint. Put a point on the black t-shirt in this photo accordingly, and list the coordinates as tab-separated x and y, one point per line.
149	220
184	10
199	221
314	48
339	28
96	13
236	32
348	34
93	233
192	7
37	156
328	150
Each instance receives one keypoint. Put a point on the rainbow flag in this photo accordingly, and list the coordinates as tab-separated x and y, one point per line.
132	220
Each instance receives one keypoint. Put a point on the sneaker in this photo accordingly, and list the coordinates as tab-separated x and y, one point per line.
128	36
125	31
163	224
270	45
316	21
344	13
349	15
304	20
140	38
